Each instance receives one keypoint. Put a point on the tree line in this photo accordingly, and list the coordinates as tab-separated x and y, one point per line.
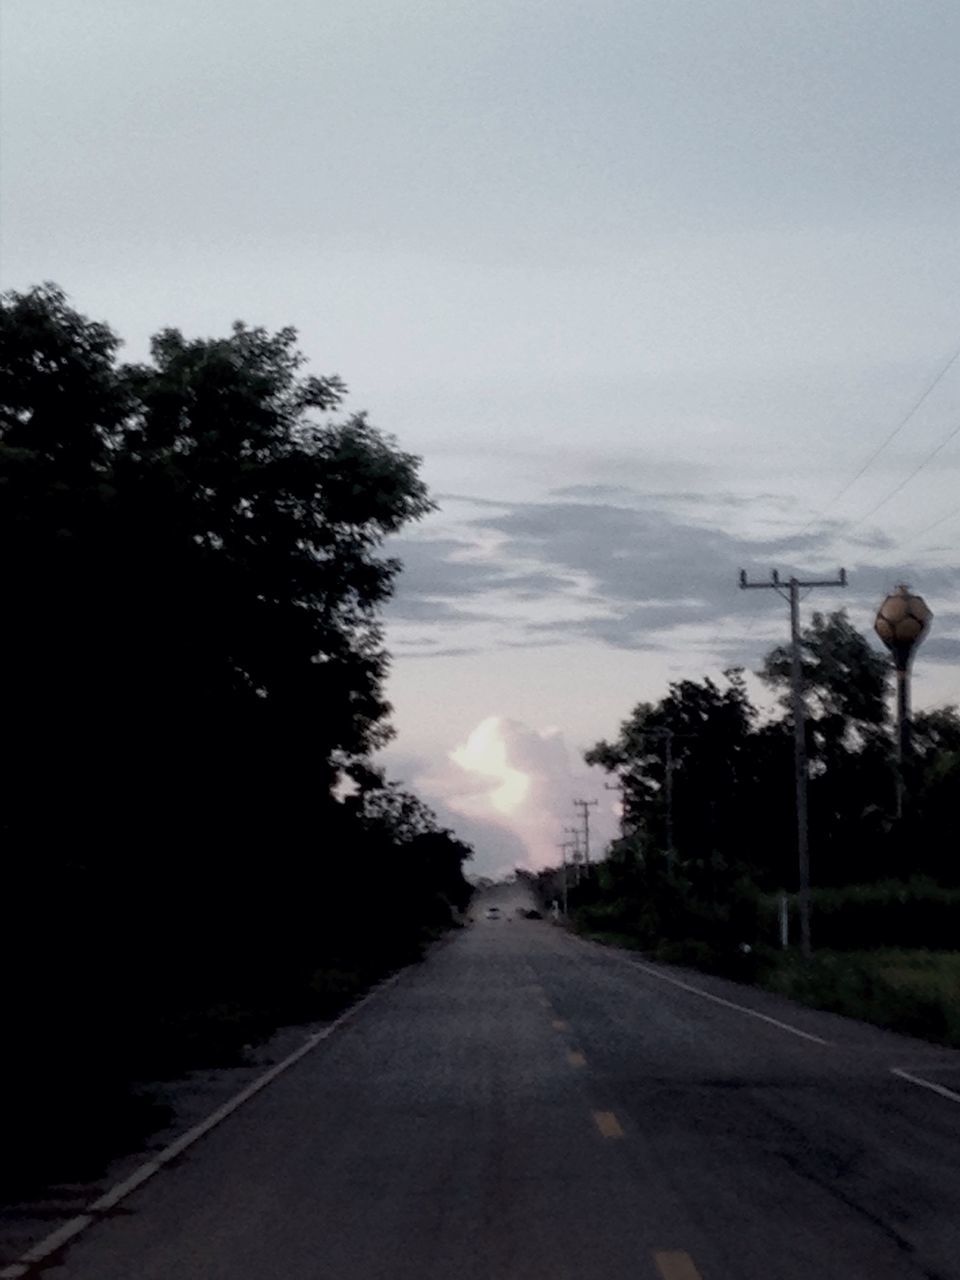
196	840
709	822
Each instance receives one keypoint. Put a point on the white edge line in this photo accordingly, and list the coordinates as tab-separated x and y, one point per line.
728	1004
942	1089
56	1239
52	1242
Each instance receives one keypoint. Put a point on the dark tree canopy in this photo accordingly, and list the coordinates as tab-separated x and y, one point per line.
192	656
846	683
732	784
195	557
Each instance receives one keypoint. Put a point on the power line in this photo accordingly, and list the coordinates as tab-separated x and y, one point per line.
903	422
889	439
930	387
951	515
954	431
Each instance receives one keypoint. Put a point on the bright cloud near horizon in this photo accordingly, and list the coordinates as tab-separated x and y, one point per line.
657	291
485	753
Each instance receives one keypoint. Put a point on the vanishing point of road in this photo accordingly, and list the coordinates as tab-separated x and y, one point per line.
528	1106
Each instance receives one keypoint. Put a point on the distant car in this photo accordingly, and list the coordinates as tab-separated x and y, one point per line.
532	914
493	913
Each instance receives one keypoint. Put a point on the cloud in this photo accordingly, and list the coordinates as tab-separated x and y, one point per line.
941	649
624	494
497	848
553	779
509	789
485	753
640	572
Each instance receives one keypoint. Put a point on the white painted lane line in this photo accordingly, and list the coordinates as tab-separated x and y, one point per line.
57	1239
727	1004
942	1089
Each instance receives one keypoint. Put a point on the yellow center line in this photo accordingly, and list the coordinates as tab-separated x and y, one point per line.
560	1025
609	1126
674	1264
576	1058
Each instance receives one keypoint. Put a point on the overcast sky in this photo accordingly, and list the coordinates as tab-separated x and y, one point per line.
647	285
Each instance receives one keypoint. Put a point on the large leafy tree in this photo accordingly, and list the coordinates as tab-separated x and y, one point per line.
706	732
191	656
196	572
932	802
846	687
846	683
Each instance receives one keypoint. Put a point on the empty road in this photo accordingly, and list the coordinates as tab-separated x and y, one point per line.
525	1105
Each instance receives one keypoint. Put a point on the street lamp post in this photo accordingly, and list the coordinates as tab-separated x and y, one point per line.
901	623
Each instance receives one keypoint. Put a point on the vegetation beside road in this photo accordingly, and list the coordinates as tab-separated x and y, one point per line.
197	845
703	863
914	992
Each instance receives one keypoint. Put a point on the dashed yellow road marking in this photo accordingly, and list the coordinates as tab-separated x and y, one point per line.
674	1264
560	1025
609	1126
576	1058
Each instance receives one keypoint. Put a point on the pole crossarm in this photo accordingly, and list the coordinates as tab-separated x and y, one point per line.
776	581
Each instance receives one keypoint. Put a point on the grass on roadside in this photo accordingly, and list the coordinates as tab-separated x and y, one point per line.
611	938
913	992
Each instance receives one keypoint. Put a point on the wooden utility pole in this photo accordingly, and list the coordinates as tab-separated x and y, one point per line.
585	805
576	846
622	791
563	888
790	591
668	737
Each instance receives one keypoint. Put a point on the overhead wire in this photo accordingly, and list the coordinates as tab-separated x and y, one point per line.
954	431
844	489
951	515
903	422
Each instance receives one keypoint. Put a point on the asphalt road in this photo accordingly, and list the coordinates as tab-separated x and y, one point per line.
525	1105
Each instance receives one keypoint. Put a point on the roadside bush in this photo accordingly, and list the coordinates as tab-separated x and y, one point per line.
913	993
891	913
678	927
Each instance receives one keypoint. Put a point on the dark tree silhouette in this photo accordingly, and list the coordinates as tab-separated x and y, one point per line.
192	658
734	832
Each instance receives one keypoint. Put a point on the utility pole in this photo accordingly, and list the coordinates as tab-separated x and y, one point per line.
585	805
668	736
574	844
668	749
621	789
790	591
563	889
